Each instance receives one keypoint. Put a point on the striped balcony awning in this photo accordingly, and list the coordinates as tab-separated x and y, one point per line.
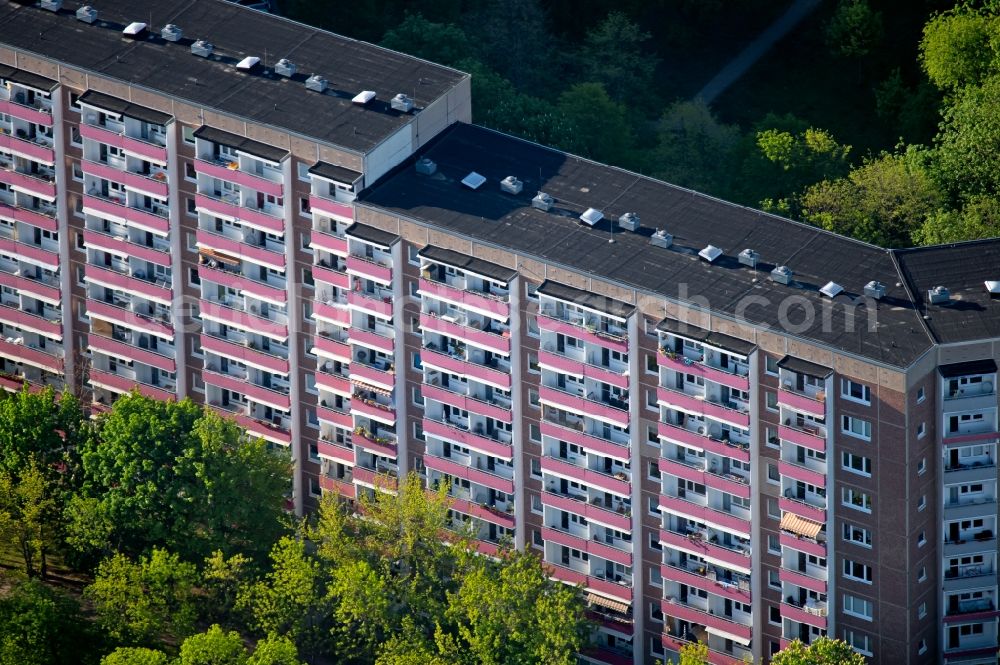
367	386
609	603
800	526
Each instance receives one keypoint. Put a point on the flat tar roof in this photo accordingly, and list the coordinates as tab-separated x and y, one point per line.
236	32
892	333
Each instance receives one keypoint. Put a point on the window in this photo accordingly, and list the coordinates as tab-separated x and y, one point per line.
412	256
532	326
773	475
856	464
81	276
314	489
74	102
655	613
771	436
418	397
535	433
922	648
773	579
921	395
771	365
533	399
536	539
191	207
922	466
857	535
533	366
80	243
654	506
531	291
922	575
654	541
772	400
74	136
536	467
857	607
655	576
77	172
922	503
188	134
922	611
656	648
856	499
415	361
858	572
921	539
774	615
652	366
773	544
536	504
772	508
652	401
856	392
856	427
858	641
189	172
921	430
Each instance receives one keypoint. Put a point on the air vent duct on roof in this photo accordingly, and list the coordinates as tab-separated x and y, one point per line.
782	275
511	185
661	239
748	257
993	288
135	30
317	83
202	48
171	33
629	221
87	14
710	253
364	97
249	64
831	289
425	166
591	216
285	67
402	103
938	295
51	5
543	201
875	290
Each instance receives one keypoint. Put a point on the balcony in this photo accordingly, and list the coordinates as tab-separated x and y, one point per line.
713	517
703	441
377	304
245	321
134	146
703	407
369	269
135	284
462	367
43	288
333	312
121	384
489	304
803	579
344	487
30	253
233	211
504	518
255	427
244	353
154	184
462	328
123	349
272	293
803	435
32	322
432	390
332	276
161	326
478	476
341	211
812	612
616	414
364	439
147	220
802	473
373	340
33	184
37	114
616	517
30	355
814	405
384	480
802	508
730	483
613	340
328	242
601	585
591	546
616	484
573	433
272	257
222	169
802	544
328	346
24	147
565	365
725	626
44	216
463	437
381	374
676	643
122	246
680	362
273	398
709	578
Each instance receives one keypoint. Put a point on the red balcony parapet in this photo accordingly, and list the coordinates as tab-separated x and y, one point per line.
27	149
483	303
697	405
594	512
122	247
606	587
115	280
32	322
344	488
152	185
589	441
591	546
329	242
359	265
597	479
146	221
35	357
380	481
811	439
498	343
242	320
120	349
718	622
32	287
241	250
131	145
341	211
378	306
477	476
33	184
679	363
466	403
802	509
28	216
238	176
467	439
24	112
583	406
814	406
121	384
701	580
244	354
566	365
122	316
607	340
330	276
464	368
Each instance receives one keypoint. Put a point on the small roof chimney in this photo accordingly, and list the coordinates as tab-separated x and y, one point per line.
425	166
285	67
317	83
782	275
171	33
401	103
87	14
629	221
938	295
661	239
748	257
875	290
543	201
511	185
202	48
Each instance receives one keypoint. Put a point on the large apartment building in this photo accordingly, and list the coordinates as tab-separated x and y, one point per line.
725	426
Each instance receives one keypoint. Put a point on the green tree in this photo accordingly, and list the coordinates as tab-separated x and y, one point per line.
603	132
30	516
616	53
444	43
694	653
213	647
959	47
275	651
135	656
978	218
87	532
221	580
40	625
696	150
854	29
142	603
40	425
884	201
824	651
968	145
512	38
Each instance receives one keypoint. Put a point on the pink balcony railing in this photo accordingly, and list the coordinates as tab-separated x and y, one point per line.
801	544
800	579
799	402
255	253
590	546
583	406
464	368
789	611
730	483
718	622
799	472
256	428
243	284
371	340
341	419
35	357
378	306
802	437
120	384
492	341
141	219
116	280
31	287
334	383
588	441
30	252
239	177
242	320
607	656
244	354
32	322
619	591
802	509
342	487
956	439
374	410
577	368
705	514
329	242
714	657
692	404
242	386
122	247
368	374
374	479
703	582
473	299
477	476
468	439
342	211
120	349
32	217
602	481
27	149
32	184
336	313
155	186
613	342
121	316
361	266
327	346
137	147
364	440
679	364
594	512
336	452
686	437
251	216
338	279
26	113
466	403
484	513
